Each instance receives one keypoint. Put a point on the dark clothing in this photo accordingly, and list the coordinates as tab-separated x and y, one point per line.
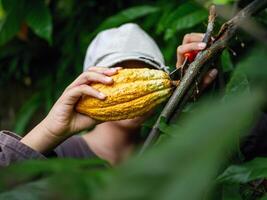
12	150
255	145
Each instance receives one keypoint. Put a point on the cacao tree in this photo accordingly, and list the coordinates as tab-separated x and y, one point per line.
196	154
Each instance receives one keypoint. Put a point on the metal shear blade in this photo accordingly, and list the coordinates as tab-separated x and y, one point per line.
179	72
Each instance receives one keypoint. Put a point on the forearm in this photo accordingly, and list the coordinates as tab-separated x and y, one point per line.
41	139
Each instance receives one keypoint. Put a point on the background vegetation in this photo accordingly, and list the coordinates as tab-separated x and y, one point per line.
43	45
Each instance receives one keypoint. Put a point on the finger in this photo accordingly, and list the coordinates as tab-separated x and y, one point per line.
105	70
84	122
209	78
90	76
193	37
191	47
182	49
71	96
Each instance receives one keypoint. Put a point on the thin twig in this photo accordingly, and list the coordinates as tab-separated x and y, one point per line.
210	27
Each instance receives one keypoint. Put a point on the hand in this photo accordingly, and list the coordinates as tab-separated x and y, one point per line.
193	42
62	120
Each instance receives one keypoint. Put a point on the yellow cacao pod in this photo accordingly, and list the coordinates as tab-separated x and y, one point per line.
133	93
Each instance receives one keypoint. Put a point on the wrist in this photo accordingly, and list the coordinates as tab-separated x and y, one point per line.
41	139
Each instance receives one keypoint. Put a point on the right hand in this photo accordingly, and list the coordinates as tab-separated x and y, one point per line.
193	42
63	120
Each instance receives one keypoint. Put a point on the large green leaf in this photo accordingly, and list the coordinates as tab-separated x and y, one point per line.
189	159
183	167
252	67
249	171
171	16
222	2
2	12
11	19
191	19
31	191
185	22
127	15
25	171
43	179
238	82
39	19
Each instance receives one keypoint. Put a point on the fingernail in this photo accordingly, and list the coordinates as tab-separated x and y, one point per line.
101	95
202	45
213	73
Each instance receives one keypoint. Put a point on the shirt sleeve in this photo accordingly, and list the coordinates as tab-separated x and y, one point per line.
12	150
74	147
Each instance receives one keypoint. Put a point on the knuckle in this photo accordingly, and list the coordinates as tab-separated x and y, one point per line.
188	37
82	87
179	49
89	75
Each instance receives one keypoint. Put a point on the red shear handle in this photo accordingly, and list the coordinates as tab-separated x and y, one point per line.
191	55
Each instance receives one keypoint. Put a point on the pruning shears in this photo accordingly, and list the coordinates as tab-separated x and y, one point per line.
179	72
189	57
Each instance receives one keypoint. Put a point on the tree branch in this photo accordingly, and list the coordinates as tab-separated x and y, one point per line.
226	33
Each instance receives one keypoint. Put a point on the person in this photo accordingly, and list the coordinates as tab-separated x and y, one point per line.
127	46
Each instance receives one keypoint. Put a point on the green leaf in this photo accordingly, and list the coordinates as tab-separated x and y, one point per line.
254	64
264	198
171	16
30	169
222	2
238	83
183	167
32	191
249	171
26	113
39	19
11	20
127	15
226	61
2	12
187	21
252	67
46	179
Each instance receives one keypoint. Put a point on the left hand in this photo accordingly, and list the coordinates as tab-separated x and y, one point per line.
63	121
192	42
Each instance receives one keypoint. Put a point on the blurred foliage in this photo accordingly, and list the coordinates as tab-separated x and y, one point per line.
43	44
